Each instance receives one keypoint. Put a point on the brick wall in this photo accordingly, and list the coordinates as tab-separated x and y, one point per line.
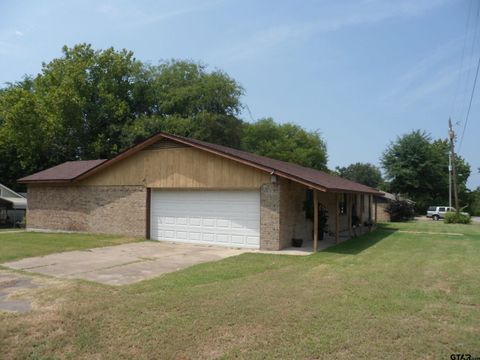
96	209
270	217
281	214
382	214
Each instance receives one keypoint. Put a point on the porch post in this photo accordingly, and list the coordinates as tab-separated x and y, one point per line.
337	218
315	220
370	208
349	214
375	202
147	215
362	207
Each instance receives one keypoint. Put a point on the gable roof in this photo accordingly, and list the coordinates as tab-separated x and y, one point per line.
13	198
7	192
71	171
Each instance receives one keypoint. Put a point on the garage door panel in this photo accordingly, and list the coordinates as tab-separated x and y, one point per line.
237	239
195	221
208	222
208	237
252	240
224	223
223	238
168	233
237	224
215	230
195	236
211	217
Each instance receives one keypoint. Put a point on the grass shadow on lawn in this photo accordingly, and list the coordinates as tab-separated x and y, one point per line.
355	246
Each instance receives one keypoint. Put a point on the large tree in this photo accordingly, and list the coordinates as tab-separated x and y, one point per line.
287	142
75	108
417	166
363	173
186	99
93	103
474	197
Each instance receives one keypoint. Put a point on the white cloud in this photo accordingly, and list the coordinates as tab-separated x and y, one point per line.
135	15
438	72
420	81
18	33
343	15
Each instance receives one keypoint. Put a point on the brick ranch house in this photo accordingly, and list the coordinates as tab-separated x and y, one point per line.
178	189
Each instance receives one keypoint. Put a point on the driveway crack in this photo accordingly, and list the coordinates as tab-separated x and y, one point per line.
116	266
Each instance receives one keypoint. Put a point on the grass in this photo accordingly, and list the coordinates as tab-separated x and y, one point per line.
20	244
389	294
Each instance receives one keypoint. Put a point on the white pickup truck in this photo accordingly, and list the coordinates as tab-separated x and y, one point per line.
438	212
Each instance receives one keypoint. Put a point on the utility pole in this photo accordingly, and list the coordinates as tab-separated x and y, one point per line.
449	179
451	135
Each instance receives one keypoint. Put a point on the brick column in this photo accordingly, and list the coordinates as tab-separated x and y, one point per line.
270	217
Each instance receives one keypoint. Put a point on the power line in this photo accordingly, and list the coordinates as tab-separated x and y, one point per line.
469	106
249	113
460	71
472	52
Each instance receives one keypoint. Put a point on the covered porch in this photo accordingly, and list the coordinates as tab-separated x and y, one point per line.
326	218
12	211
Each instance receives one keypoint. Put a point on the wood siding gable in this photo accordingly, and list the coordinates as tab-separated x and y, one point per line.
167	164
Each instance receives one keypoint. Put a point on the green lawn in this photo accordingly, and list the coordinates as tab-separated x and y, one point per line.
20	244
390	294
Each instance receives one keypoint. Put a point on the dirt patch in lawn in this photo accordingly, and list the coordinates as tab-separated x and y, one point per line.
20	293
11	285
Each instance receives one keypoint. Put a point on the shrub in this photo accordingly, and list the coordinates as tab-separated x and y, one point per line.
401	210
457	218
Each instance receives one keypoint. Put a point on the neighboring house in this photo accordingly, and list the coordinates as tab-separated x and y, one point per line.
177	189
383	202
12	207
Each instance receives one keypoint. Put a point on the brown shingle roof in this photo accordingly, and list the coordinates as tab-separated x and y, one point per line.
71	170
309	175
64	172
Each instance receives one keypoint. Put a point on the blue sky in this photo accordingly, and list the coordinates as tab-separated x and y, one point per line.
361	72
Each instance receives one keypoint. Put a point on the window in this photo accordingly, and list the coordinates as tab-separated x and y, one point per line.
432	208
442	209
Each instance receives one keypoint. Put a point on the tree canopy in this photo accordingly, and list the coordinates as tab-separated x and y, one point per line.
90	104
287	142
417	166
363	173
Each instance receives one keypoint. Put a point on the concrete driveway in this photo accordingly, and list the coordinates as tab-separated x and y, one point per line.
123	264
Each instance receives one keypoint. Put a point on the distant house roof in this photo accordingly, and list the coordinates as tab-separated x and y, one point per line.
78	170
393	197
12	198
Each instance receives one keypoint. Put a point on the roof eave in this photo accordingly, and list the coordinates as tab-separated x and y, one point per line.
60	181
347	191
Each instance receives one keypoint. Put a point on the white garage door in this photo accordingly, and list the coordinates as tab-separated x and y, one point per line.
230	218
